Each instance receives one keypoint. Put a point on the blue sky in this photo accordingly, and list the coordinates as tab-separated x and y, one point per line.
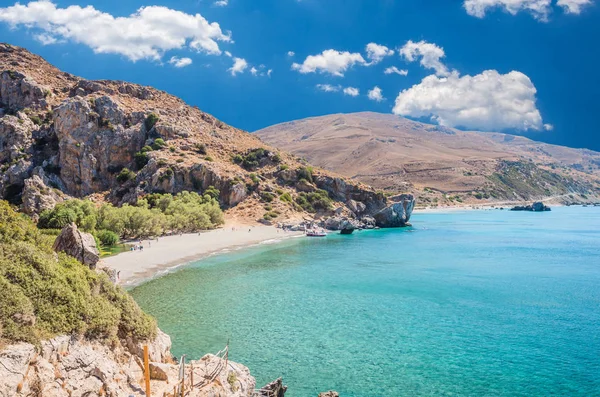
524	66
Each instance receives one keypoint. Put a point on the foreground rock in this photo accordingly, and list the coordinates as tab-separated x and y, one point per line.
538	206
70	367
79	245
330	393
397	214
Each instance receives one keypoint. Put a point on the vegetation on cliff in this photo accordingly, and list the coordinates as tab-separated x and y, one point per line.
43	294
152	215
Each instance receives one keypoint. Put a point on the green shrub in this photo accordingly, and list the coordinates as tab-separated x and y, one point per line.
43	294
158	144
141	159
267	196
36	119
125	175
208	158
107	238
237	159
286	197
213	192
283	167
146	149
151	121
314	201
305	173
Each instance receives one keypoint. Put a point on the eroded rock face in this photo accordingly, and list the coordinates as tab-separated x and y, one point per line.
397	214
15	136
342	191
37	196
93	144
79	245
273	389
17	91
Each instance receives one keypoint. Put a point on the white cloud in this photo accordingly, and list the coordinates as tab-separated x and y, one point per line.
329	87
351	91
253	71
221	3
573	6
376	52
269	72
429	53
538	8
291	53
180	62
227	53
395	70
45	39
548	127
487	101
146	34
376	94
329	61
239	65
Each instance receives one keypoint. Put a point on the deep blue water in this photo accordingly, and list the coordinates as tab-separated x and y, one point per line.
474	303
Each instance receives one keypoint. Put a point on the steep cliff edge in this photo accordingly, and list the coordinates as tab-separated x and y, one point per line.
62	136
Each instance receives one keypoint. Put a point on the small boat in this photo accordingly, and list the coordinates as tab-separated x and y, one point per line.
347	231
315	233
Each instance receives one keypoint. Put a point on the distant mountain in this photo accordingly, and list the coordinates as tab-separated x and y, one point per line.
440	164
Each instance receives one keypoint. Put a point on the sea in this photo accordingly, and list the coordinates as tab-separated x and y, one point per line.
463	303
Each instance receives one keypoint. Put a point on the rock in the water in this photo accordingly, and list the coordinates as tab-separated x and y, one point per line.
397	214
538	206
79	245
330	393
273	389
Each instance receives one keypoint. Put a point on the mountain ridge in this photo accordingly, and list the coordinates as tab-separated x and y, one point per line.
397	154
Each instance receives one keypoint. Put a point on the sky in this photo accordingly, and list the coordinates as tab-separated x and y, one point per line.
521	66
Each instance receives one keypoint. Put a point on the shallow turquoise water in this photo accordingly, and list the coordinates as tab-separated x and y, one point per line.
479	303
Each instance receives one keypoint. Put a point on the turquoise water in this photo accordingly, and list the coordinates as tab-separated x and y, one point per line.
478	303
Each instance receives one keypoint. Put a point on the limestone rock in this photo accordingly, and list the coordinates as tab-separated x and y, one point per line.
79	245
159	371
14	361
37	196
304	186
273	389
356	206
15	136
341	223
159	349
18	91
330	393
397	214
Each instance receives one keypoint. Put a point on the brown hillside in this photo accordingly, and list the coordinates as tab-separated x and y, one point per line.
61	135
397	154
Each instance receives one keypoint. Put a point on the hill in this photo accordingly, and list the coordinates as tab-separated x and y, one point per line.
440	164
63	136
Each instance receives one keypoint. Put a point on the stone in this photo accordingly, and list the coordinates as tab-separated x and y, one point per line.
330	393
18	91
538	206
79	245
159	371
15	136
397	214
37	196
305	186
356	206
273	389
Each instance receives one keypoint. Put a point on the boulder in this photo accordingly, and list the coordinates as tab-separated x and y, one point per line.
397	214
79	245
15	136
538	206
330	393
368	222
356	206
341	223
159	371
37	196
273	389
305	186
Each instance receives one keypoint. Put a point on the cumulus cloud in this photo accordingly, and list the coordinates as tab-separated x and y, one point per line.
329	61
45	39
253	71
221	3
487	101
351	91
395	70
573	6
146	34
291	53
428	53
538	8
239	65
376	94
376	52
180	62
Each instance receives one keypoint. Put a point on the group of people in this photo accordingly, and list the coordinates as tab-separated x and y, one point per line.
140	246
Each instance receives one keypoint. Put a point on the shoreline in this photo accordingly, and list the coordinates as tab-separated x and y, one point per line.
171	252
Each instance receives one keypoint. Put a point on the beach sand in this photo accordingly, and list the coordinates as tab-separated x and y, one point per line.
172	251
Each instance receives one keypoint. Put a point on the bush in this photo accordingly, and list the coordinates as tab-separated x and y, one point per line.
125	175
107	238
200	148
151	121
55	293
267	197
158	144
283	167
286	197
141	159
305	173
312	202
213	192
208	158
36	119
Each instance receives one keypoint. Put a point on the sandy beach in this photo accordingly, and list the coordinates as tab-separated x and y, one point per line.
171	251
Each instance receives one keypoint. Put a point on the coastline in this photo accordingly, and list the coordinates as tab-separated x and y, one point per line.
170	252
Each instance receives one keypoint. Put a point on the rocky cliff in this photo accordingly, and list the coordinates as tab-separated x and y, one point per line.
63	136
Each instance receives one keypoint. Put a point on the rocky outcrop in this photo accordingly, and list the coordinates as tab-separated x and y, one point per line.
93	143
538	206
273	389
79	245
330	393
70	367
342	223
37	196
340	190
17	91
15	136
397	214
